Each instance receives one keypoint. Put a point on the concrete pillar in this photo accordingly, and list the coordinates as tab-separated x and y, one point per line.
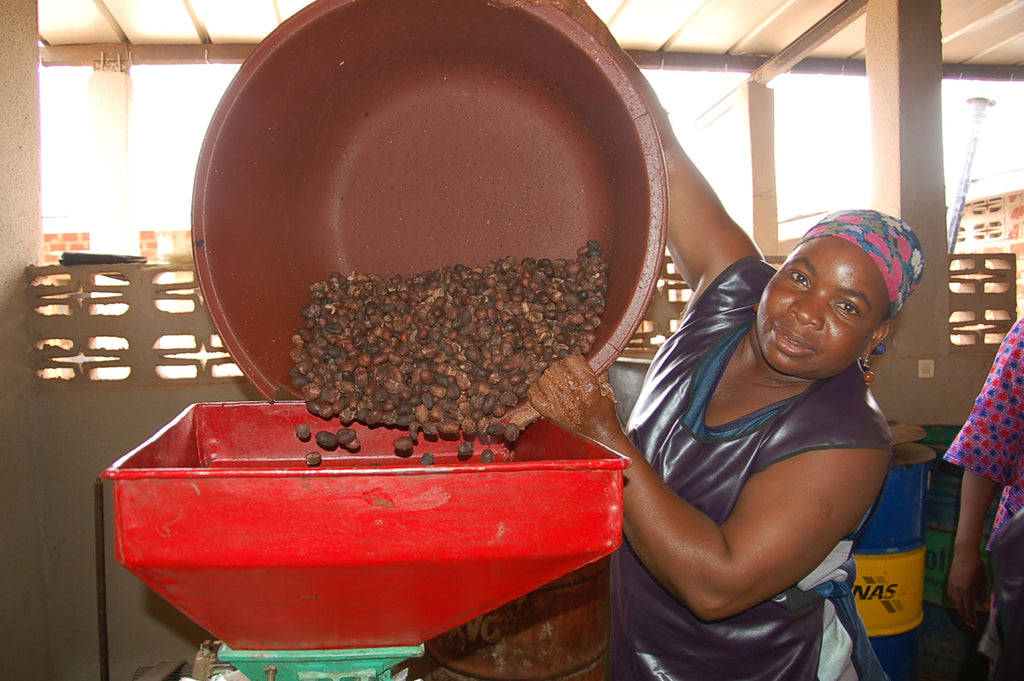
26	653
110	95
904	67
746	182
759	108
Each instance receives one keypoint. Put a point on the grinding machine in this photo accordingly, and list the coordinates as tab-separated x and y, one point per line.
391	136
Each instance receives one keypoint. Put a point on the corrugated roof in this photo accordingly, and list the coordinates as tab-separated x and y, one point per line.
980	38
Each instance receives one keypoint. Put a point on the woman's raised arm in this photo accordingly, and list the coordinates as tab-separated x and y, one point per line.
702	238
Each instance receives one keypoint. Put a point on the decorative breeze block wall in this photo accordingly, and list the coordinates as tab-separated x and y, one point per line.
145	325
995	225
982	304
129	325
982	299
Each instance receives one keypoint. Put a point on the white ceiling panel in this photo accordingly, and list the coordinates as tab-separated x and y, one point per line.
719	27
606	9
71	22
236	21
959	16
633	26
847	43
1011	52
157	22
787	22
290	7
994	33
975	32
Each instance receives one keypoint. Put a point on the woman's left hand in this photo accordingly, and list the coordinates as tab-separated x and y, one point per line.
571	393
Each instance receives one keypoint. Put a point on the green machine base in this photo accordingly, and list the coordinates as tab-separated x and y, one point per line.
352	664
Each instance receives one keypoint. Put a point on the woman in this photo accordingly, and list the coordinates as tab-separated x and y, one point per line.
1008	574
990	449
756	447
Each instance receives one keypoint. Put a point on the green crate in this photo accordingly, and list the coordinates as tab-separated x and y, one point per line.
938	557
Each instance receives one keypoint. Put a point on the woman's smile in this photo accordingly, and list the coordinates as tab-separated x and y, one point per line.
821	310
790	342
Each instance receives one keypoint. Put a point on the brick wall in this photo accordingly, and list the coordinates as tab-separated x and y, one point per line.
58	242
995	224
156	245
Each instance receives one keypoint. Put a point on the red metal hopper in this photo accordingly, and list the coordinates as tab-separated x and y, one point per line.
221	515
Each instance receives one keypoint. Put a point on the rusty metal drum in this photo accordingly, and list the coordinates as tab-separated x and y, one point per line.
559	632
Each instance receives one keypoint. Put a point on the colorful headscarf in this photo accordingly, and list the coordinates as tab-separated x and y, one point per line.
890	242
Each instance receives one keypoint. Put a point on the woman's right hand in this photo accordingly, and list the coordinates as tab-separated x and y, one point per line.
569	392
968	584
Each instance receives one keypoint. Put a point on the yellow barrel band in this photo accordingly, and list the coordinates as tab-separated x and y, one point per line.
889	591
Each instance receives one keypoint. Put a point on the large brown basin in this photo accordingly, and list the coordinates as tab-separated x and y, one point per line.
398	136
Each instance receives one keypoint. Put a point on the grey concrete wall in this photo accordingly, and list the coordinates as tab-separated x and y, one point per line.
23	640
54	444
903	55
78	433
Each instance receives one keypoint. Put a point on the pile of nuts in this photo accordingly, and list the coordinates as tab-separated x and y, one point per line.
448	351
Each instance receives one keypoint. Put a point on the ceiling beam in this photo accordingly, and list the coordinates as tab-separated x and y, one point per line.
197	23
833	22
695	61
691	61
749	63
108	16
982	72
93	54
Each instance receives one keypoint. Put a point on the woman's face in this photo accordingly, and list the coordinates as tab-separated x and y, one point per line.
826	306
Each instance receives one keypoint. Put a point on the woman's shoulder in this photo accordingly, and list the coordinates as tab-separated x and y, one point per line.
738	286
725	306
835	413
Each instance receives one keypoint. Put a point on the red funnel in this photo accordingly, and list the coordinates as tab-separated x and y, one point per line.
220	514
399	136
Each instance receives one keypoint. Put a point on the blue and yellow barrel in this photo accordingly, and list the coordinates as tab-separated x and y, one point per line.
890	557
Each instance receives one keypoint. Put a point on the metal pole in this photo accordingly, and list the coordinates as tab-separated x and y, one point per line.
101	580
956	213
